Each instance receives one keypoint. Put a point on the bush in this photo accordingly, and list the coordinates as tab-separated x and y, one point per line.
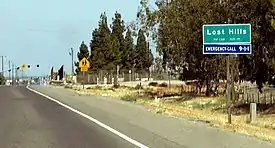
130	98
116	86
127	87
2	80
68	86
163	84
155	84
138	86
98	87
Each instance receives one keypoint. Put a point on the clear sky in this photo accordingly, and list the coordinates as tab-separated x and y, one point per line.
42	31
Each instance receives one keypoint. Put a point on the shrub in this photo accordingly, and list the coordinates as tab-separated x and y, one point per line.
130	98
138	86
153	84
115	86
68	86
163	84
98	87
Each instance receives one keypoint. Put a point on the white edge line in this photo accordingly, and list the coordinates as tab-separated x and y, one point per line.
121	135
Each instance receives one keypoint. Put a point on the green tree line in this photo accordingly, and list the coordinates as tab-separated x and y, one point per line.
114	46
176	28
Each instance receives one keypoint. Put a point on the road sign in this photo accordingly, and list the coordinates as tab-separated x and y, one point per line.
227	49
23	66
227	39
83	69
227	33
84	63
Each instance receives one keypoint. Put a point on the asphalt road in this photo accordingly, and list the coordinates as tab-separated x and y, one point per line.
27	120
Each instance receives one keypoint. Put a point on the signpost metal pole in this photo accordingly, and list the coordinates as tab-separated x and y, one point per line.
12	74
83	79
9	70
228	89
84	65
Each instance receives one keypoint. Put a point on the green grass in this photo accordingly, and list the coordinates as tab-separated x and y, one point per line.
214	104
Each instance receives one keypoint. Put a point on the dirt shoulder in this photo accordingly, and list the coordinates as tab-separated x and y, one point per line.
207	109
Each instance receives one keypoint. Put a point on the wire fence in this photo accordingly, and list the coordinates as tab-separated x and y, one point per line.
122	75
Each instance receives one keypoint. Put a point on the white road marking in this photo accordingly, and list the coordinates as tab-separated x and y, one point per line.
121	135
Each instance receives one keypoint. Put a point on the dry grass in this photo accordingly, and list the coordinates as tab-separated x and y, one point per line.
207	109
264	127
107	91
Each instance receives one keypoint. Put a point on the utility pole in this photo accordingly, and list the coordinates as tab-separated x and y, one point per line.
12	74
2	57
16	74
9	70
72	56
22	76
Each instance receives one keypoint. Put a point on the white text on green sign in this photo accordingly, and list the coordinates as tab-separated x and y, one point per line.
226	33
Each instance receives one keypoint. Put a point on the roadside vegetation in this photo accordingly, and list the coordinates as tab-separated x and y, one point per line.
2	80
181	102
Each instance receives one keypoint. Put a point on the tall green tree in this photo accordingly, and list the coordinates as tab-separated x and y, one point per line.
94	44
130	53
82	53
158	69
113	55
118	29
256	67
144	56
101	45
179	37
141	51
179	34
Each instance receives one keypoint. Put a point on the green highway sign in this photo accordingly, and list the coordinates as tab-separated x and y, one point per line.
227	34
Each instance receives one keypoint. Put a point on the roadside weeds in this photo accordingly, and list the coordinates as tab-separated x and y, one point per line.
206	109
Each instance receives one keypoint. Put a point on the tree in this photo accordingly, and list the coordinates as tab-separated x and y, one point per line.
149	61
113	55
83	53
256	67
118	29
101	45
129	59
2	79
93	45
179	36
158	69
143	56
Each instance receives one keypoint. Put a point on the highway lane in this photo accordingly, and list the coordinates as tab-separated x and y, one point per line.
29	121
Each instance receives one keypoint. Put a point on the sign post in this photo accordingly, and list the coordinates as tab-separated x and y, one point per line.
84	65
23	66
227	39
